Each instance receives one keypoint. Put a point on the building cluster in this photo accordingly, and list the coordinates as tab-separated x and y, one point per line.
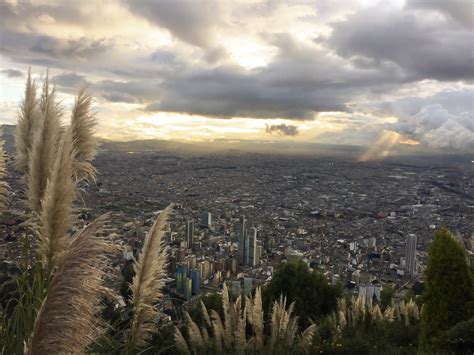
240	216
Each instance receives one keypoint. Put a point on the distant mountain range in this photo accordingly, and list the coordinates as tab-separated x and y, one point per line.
220	145
223	146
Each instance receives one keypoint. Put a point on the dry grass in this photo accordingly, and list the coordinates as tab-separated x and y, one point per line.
230	336
147	283
283	325
83	124
44	147
255	318
358	310
4	189
28	120
56	212
67	321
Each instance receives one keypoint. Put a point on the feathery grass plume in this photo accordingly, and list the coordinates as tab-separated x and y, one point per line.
228	336
389	314
56	212
205	314
28	119
195	336
147	283
359	309
181	344
306	339
83	124
240	335
4	189
205	336
341	319
376	313
283	324
412	310
257	319
67	321
218	330
403	311
44	146
342	305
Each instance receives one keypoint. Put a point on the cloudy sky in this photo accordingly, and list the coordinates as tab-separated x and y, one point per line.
317	71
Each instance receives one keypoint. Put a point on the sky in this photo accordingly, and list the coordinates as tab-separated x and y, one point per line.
374	73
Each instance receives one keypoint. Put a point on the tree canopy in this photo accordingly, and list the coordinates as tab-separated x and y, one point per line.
314	297
449	290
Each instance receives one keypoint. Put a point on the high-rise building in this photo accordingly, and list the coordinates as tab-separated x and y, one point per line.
180	255
189	233
205	269
248	284
188	288
206	219
259	254
252	247
242	233
235	289
181	275
196	278
410	255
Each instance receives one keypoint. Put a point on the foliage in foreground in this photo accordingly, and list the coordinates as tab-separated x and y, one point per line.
242	329
449	291
314	298
54	304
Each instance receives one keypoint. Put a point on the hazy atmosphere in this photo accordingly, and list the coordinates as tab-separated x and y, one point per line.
375	73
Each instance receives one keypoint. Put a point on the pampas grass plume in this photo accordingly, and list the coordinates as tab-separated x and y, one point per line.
56	212
28	120
83	124
147	283
67	321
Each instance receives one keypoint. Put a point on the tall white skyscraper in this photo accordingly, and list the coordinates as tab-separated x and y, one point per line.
189	233
252	247
410	255
242	233
206	219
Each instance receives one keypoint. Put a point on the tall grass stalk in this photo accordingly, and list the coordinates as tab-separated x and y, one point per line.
146	287
28	120
68	320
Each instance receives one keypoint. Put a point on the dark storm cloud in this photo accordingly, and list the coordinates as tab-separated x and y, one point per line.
70	80
34	48
128	92
460	10
300	82
25	15
282	129
12	73
422	46
228	93
191	21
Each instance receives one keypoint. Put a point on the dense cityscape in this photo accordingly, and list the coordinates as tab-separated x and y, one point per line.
237	217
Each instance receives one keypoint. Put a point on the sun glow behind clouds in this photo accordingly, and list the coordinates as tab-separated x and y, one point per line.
382	147
249	54
184	127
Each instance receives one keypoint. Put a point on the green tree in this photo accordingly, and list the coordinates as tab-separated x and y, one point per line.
212	301
449	290
314	297
386	296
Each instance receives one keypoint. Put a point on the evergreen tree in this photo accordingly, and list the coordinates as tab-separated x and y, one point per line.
449	290
314	297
